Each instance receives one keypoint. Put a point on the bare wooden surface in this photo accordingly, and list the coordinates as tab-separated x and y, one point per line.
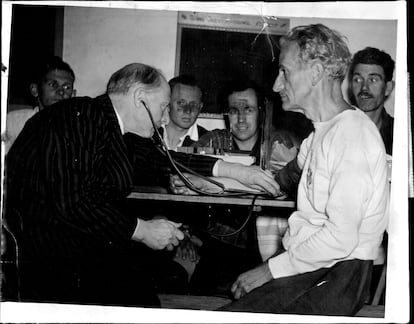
247	201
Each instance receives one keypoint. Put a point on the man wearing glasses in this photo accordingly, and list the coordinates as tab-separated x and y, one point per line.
243	104
185	106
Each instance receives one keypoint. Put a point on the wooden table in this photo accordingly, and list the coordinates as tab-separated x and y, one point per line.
140	194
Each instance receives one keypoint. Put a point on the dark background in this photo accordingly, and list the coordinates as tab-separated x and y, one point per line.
37	32
216	57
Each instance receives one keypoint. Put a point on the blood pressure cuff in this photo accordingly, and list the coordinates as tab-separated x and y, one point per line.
288	178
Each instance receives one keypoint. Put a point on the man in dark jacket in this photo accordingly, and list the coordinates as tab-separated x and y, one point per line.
68	176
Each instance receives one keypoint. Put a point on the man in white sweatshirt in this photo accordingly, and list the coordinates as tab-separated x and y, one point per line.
335	234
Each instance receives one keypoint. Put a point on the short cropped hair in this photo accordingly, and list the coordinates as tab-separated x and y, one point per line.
49	64
320	42
122	80
371	55
239	85
187	80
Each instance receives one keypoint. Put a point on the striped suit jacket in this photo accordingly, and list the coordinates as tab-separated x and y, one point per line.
68	175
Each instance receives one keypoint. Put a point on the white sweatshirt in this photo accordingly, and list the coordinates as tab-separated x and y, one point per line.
342	206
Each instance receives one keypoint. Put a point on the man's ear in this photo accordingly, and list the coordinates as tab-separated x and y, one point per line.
139	95
317	72
389	87
34	90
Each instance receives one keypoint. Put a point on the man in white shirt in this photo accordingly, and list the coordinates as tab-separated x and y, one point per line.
342	201
52	83
185	106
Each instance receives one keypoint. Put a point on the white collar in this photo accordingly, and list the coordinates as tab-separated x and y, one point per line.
120	122
192	132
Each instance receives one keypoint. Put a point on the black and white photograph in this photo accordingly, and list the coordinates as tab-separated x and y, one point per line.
194	162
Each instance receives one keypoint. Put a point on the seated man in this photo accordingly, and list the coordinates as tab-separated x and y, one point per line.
342	203
185	106
336	232
370	84
52	83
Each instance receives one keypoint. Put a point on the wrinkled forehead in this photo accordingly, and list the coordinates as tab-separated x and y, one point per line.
289	54
243	99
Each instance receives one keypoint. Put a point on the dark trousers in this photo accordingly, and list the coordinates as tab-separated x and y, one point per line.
110	282
339	290
116	278
219	266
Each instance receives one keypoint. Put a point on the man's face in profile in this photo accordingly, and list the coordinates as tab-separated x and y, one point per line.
56	86
185	105
157	100
292	82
